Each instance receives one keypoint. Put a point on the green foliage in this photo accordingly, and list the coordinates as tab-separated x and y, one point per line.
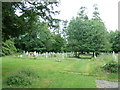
14	25
24	78
88	35
82	13
36	39
8	47
85	34
58	44
96	12
40	39
112	67
18	79
115	40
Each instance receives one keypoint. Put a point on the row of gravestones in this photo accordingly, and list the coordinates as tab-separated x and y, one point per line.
49	54
52	54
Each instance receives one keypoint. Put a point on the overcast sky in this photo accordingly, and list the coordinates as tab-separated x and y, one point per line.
108	10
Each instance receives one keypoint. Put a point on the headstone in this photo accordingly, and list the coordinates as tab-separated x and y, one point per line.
63	55
113	53
27	53
94	56
34	53
20	55
37	54
114	56
46	55
23	52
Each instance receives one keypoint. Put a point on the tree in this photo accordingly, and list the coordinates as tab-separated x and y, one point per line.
115	40
99	40
40	39
86	34
58	44
14	25
8	47
82	13
35	40
96	12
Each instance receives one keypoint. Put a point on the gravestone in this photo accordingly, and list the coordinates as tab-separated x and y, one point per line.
23	52
46	55
94	56
27	53
63	55
20	55
114	56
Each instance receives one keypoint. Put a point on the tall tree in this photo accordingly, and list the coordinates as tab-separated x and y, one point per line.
14	25
96	14
86	34
36	39
58	44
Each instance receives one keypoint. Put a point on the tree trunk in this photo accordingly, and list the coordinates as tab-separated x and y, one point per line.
93	54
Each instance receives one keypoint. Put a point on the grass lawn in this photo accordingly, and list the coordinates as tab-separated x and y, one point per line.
54	74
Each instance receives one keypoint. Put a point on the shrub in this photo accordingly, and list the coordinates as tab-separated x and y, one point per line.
8	47
18	79
112	67
22	78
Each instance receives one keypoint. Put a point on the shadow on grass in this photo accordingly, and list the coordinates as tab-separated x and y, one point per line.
80	57
85	57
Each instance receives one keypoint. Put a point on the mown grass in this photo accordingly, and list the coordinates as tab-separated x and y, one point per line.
54	74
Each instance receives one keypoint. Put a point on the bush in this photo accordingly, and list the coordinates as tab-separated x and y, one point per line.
18	79
112	67
8	47
22	78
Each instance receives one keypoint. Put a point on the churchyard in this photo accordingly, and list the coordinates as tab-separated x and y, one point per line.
41	50
56	70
